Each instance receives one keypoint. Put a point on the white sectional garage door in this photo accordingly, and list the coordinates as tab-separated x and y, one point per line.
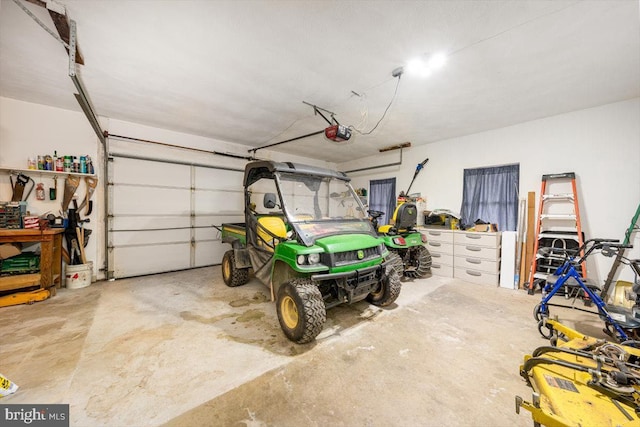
161	214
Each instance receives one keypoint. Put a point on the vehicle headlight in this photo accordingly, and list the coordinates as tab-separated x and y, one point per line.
301	259
313	258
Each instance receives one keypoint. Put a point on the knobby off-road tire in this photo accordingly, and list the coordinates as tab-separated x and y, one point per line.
232	275
301	310
388	289
421	259
395	261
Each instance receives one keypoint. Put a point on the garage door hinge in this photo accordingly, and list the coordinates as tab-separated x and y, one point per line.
193	243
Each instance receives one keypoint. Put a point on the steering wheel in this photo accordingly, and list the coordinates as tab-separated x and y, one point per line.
375	214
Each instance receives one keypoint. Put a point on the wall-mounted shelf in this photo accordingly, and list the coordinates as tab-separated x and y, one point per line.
39	172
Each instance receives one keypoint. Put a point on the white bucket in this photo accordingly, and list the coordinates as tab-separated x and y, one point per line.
77	276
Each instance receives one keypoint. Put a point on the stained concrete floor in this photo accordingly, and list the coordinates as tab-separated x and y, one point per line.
182	349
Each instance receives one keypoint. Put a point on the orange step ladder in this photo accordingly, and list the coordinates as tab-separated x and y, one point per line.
544	232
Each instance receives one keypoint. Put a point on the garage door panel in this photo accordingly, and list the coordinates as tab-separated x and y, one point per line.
149	222
207	234
134	261
208	253
208	220
154	201
154	214
218	201
216	179
141	238
134	171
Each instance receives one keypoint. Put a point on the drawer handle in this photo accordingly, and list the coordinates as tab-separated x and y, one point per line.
473	236
474	273
435	244
473	248
435	255
474	261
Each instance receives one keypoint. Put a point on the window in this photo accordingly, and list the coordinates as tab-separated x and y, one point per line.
382	197
491	195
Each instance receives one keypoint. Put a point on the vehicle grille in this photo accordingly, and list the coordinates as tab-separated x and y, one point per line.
351	257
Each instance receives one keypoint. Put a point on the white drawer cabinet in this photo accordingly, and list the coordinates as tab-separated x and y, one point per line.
487	239
477	257
470	256
475	251
475	276
440	245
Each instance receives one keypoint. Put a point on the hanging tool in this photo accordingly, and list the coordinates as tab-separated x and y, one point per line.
90	183
19	187
53	192
70	187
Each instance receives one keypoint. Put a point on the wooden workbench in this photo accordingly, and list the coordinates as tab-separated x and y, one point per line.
50	258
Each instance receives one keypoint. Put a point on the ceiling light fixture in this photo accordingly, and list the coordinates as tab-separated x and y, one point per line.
437	60
424	65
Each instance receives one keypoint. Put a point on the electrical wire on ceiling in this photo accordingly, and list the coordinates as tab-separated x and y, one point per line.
364	111
395	92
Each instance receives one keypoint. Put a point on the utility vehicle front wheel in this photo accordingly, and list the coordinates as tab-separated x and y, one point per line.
420	260
388	289
232	275
301	310
395	261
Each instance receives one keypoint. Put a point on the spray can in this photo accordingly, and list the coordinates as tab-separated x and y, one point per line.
59	167
83	164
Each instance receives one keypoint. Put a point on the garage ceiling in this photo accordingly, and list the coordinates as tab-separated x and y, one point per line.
239	71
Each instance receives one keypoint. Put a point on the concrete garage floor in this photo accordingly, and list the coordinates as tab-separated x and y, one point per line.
182	349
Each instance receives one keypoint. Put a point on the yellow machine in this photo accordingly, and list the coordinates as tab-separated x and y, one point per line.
24	297
582	381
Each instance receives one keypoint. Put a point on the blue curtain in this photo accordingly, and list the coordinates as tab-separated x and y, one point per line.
491	195
382	197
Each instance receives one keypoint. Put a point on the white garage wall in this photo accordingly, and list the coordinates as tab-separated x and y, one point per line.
28	129
601	145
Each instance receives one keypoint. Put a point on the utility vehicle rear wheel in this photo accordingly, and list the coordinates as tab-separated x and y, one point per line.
232	275
301	310
420	260
388	289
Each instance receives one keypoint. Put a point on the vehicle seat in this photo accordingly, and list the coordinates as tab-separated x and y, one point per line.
271	229
404	217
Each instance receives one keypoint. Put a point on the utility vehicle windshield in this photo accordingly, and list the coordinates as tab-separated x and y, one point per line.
321	206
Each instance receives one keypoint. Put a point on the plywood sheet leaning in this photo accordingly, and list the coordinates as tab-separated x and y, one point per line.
531	215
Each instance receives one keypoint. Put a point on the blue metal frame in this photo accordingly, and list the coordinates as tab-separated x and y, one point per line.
566	271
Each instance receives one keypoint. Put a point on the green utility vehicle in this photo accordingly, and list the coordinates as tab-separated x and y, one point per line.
310	241
401	237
